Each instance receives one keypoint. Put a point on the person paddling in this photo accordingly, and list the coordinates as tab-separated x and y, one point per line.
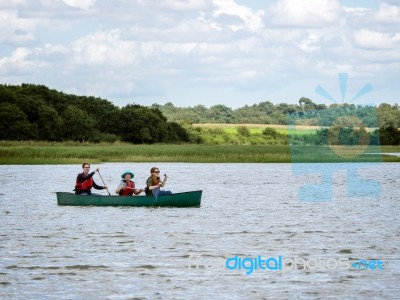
127	186
85	182
154	182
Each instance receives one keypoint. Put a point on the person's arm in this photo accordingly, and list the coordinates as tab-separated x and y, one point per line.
82	177
99	187
164	181
137	192
121	186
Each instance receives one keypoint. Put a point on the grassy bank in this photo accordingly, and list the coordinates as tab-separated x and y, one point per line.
71	153
76	153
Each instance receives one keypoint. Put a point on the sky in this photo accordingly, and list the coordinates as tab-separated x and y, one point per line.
207	52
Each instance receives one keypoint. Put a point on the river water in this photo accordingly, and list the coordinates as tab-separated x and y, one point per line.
257	211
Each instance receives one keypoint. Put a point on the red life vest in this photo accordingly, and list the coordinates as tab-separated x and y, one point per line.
128	190
84	186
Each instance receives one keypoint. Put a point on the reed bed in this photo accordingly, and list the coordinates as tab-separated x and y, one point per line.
76	153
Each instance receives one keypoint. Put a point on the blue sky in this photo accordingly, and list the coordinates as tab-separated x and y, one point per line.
232	52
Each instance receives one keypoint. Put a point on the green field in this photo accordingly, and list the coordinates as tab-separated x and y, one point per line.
258	128
76	153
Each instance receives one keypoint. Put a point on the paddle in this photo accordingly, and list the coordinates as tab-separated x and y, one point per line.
156	191
130	188
103	181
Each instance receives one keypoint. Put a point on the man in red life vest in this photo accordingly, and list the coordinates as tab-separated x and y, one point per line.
127	186
85	182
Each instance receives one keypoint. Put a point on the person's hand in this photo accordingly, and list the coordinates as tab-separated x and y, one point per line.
165	176
105	187
97	170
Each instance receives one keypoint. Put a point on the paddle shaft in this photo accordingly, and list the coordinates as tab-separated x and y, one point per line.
156	191
133	189
103	182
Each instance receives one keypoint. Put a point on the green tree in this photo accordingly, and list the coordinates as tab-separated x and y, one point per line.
134	118
50	124
389	136
30	106
177	133
307	103
14	124
270	133
77	124
243	131
220	114
144	135
387	116
7	95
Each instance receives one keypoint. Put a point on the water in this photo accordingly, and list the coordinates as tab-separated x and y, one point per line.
248	210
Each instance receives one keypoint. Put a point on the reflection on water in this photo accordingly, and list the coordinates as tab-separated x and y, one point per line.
247	210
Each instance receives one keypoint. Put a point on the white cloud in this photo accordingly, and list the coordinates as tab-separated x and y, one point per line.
252	20
104	49
186	4
388	14
20	38
17	56
10	22
357	11
199	50
308	13
376	40
18	63
310	44
81	4
12	3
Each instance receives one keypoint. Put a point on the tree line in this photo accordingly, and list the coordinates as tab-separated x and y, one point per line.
349	135
333	135
346	121
35	112
306	112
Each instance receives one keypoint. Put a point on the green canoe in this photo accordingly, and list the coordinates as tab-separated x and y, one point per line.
186	199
